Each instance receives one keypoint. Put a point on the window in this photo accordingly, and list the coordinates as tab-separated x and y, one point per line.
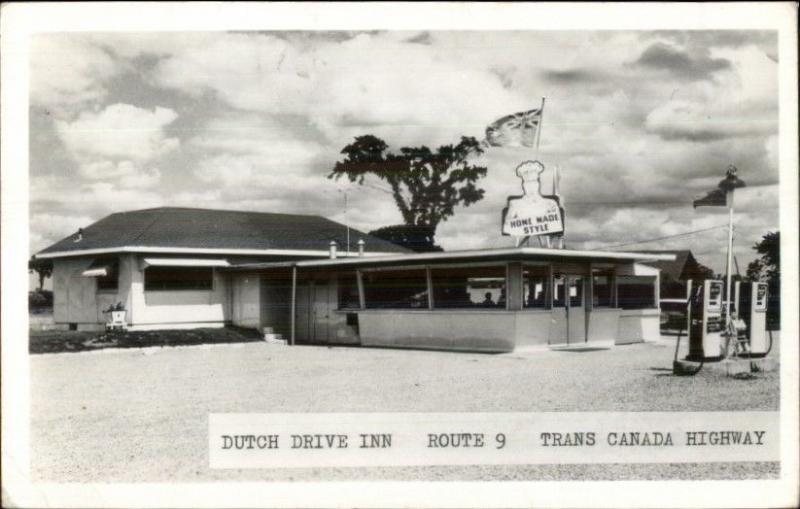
469	288
602	294
109	282
396	289
348	291
178	278
536	287
636	292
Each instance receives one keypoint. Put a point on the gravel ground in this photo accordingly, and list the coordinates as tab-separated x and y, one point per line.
141	415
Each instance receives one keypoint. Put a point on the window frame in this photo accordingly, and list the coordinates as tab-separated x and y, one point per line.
363	275
113	262
211	288
504	266
549	296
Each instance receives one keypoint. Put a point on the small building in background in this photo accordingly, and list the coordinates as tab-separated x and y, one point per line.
675	273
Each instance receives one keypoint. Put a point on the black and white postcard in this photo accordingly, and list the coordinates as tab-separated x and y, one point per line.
395	255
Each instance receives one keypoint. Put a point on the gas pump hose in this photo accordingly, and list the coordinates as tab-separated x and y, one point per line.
677	369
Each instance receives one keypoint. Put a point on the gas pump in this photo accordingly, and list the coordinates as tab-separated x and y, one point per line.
706	324
751	307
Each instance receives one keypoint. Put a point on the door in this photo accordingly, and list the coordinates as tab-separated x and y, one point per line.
568	316
320	311
576	309
303	313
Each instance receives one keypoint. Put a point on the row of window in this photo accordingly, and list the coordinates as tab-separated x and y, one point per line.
160	278
453	288
485	287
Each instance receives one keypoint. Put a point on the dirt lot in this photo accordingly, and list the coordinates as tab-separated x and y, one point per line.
141	415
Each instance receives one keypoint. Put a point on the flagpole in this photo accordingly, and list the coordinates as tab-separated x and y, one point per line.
730	264
541	125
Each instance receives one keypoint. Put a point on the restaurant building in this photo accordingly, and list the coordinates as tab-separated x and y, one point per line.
184	268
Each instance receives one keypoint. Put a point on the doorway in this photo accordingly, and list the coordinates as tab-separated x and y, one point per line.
314	312
568	325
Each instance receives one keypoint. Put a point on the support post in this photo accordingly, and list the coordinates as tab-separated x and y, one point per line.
429	284
360	284
294	303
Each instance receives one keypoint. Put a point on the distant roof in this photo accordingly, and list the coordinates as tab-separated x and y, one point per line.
511	253
685	265
176	229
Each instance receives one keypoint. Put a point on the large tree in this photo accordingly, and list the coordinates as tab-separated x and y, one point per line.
426	185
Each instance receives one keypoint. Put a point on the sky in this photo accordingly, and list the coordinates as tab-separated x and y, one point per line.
639	123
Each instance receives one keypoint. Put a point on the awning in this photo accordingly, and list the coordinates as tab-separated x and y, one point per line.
185	262
98	268
99	272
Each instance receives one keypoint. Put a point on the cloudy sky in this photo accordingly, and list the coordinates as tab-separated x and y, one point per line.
640	124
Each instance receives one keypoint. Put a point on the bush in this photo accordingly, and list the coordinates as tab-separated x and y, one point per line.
40	299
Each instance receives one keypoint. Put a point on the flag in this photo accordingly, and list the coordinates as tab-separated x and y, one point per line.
716	198
719	196
516	130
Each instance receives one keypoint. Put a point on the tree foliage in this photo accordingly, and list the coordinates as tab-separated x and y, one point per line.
767	266
426	185
413	237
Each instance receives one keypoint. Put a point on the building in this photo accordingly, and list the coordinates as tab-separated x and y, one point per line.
192	267
166	266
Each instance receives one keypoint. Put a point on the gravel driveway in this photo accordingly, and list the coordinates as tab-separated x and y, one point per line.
141	415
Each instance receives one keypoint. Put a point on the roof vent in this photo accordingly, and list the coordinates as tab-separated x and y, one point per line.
333	250
79	236
360	247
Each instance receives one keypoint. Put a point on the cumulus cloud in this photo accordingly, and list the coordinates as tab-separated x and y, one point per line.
67	71
119	130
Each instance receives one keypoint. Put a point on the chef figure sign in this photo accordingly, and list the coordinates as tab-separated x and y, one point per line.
532	214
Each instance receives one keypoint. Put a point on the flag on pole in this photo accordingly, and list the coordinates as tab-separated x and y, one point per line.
516	130
715	198
719	196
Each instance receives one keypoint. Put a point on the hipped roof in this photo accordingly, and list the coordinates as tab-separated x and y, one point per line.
222	230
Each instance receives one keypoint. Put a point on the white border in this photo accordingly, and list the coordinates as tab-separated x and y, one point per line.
20	20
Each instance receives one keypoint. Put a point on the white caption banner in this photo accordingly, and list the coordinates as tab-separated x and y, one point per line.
401	439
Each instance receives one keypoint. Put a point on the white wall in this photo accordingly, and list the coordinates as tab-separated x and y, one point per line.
176	307
76	298
637	325
491	331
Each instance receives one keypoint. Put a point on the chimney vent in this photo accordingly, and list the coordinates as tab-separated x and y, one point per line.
360	247
79	236
333	250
